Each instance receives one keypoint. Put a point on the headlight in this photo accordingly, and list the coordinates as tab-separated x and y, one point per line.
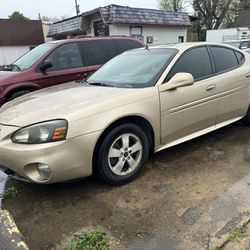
50	131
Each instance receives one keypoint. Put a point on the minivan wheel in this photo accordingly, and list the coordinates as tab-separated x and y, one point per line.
122	154
18	94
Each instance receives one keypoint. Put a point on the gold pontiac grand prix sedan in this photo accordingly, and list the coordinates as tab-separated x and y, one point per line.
141	101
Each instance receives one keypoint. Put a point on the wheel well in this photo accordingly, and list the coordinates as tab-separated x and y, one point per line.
19	89
140	121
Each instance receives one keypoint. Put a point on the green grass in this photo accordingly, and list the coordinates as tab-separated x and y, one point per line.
10	192
95	239
213	248
237	234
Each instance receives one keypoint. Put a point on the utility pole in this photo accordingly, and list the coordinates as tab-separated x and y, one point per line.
77	8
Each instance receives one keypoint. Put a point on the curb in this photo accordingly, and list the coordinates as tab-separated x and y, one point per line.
10	237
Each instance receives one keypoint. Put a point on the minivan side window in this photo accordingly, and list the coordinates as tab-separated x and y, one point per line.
224	59
98	52
125	44
195	61
65	57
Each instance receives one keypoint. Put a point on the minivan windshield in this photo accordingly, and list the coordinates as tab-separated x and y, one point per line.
30	58
134	69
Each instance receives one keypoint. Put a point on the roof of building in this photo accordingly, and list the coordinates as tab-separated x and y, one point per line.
116	14
127	15
243	19
25	32
67	26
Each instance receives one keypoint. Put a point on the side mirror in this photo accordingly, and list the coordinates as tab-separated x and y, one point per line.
46	65
177	81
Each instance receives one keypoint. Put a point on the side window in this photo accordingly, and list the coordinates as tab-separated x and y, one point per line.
224	59
240	57
98	52
196	62
65	57
126	44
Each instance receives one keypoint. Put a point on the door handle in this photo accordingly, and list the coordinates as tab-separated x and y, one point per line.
211	87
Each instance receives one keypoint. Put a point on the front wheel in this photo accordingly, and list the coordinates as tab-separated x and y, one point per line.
123	154
18	94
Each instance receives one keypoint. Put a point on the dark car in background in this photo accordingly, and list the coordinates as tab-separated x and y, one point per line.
58	62
243	44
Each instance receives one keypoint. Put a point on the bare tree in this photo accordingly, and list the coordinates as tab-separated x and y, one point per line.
212	13
171	5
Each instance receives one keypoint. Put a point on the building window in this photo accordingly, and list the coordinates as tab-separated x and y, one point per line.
135	30
101	29
181	39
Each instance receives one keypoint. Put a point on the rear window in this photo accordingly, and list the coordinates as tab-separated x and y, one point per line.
98	52
126	44
224	59
240	57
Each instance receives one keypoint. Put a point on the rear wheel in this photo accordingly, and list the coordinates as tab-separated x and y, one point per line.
123	154
18	94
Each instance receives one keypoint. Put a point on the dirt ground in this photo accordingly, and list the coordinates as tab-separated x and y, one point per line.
180	192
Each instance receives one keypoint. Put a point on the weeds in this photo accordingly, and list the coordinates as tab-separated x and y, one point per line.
10	192
95	239
235	235
213	248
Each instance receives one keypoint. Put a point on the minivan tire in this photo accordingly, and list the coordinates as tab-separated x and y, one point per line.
137	140
18	94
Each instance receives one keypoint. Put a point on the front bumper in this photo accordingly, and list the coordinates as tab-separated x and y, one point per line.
68	160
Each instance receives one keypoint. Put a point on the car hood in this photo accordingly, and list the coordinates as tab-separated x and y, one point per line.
8	75
69	101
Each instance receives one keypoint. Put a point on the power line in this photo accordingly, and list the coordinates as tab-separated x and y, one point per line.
69	12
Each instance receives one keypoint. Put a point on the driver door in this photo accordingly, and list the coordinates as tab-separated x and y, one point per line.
186	111
67	65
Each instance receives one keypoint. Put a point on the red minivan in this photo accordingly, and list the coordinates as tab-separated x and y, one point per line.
59	62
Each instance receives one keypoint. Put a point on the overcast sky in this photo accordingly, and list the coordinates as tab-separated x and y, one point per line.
59	8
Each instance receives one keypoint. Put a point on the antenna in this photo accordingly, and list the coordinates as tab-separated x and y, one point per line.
77	8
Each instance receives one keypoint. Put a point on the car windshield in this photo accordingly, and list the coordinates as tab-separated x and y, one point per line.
134	69
30	58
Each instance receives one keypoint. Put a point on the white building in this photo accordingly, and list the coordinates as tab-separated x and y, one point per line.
222	35
151	26
46	26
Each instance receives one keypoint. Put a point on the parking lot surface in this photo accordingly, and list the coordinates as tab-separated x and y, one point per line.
185	196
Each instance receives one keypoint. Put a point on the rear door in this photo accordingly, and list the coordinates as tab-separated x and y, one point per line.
232	83
67	65
127	44
97	52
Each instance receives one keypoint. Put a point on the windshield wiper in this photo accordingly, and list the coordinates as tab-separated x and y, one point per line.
12	67
99	84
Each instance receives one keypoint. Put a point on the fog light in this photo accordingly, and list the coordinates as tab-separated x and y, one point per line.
44	171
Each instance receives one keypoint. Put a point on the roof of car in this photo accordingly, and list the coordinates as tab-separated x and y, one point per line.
91	38
184	46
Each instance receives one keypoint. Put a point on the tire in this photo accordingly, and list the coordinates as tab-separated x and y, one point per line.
246	119
18	94
122	154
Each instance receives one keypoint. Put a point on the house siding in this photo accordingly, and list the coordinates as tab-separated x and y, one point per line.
9	54
162	35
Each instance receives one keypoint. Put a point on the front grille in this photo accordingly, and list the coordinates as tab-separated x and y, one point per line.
13	174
